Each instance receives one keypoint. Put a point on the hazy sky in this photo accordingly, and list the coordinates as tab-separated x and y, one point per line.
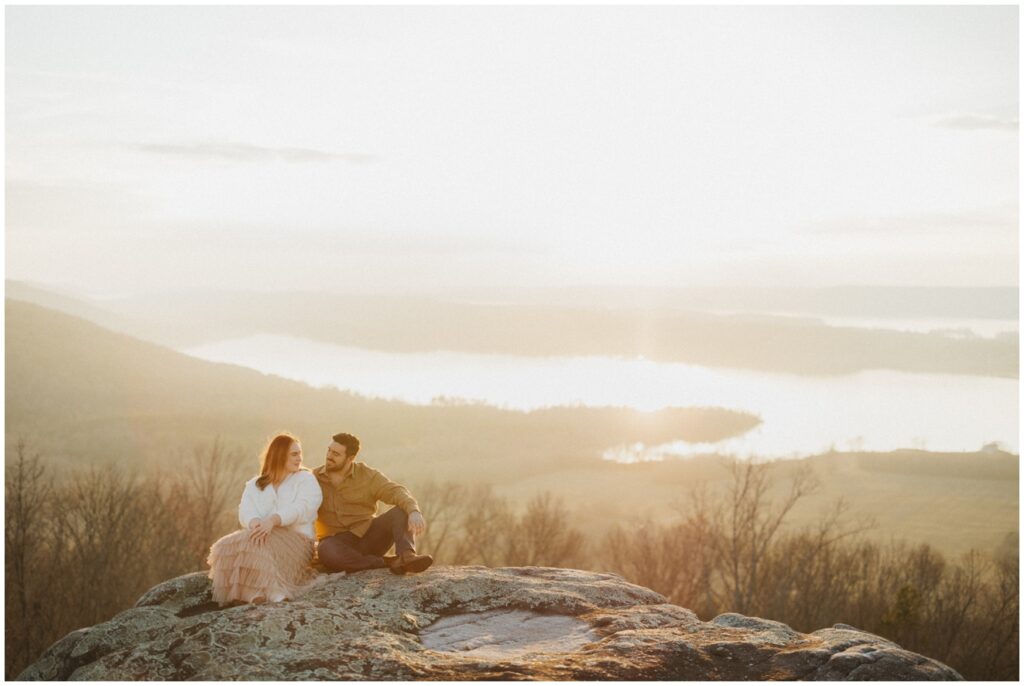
417	149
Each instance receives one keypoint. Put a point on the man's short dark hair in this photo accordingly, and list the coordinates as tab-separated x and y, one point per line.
350	442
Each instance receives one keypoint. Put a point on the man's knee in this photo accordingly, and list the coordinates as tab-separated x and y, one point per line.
337	554
397	516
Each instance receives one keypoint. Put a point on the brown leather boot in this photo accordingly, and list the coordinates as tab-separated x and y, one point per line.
410	562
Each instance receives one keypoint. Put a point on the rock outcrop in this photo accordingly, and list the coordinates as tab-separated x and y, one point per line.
462	623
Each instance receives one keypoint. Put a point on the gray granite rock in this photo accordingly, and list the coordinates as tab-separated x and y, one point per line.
462	623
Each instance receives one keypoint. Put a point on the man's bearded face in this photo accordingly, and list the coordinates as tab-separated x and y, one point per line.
337	459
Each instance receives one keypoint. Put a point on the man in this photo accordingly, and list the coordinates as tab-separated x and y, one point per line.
351	538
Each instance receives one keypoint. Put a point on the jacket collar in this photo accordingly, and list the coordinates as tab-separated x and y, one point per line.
321	472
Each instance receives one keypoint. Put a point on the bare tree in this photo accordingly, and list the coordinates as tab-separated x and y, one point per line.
84	547
748	524
103	526
26	494
444	504
544	536
809	574
646	553
485	525
212	484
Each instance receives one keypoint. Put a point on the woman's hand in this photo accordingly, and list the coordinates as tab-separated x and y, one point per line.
258	534
260	528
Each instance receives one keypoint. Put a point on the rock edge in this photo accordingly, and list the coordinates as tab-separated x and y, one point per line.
367	627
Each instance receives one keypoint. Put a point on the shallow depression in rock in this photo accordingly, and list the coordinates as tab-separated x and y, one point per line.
507	633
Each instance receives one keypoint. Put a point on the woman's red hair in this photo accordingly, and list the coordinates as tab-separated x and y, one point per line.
273	467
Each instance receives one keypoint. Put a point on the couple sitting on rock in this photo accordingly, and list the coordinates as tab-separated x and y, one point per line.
270	559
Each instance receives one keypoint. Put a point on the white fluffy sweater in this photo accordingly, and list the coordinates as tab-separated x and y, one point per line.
295	501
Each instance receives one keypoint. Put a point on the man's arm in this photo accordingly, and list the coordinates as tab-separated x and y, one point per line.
386	490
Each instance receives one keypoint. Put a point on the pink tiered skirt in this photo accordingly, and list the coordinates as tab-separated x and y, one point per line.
279	569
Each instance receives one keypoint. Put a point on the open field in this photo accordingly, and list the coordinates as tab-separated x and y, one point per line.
952	513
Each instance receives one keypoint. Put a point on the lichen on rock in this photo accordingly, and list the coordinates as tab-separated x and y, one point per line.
529	623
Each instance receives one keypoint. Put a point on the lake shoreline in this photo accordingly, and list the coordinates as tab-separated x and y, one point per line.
875	410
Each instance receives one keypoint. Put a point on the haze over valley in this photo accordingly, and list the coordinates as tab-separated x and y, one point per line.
862	382
89	395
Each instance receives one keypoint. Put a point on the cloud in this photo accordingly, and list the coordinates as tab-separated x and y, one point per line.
243	152
976	122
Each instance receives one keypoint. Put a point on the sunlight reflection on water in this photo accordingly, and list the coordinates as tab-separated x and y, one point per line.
876	410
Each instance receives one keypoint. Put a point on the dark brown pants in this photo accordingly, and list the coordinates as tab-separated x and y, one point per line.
346	552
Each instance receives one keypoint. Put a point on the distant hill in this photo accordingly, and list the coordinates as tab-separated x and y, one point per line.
996	465
88	309
399	324
82	393
873	302
68	304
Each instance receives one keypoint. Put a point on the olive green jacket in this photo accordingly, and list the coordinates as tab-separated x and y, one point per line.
353	505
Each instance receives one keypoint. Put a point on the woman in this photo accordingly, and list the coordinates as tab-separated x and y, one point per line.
269	559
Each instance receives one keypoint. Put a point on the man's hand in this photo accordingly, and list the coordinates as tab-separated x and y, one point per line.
417	525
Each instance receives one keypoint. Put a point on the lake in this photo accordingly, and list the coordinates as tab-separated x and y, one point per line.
878	410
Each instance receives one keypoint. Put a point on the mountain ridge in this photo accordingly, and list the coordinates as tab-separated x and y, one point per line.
759	342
